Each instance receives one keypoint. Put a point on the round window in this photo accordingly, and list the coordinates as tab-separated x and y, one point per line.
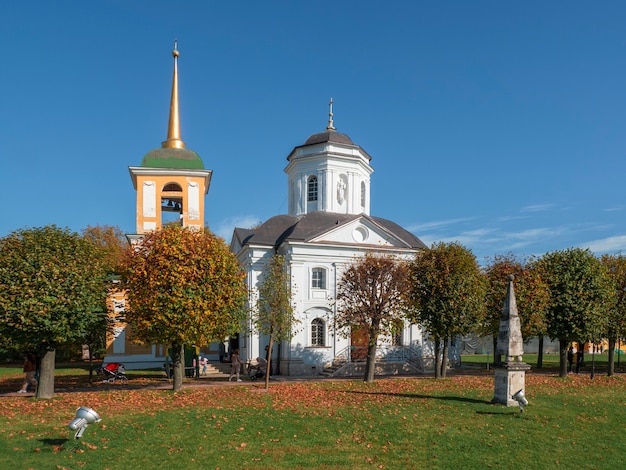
360	234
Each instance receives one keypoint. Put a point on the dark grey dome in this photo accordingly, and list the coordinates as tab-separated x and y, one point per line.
329	136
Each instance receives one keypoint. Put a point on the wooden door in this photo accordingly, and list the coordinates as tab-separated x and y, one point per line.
358	344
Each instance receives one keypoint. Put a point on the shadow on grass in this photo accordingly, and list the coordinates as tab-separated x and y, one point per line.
104	387
53	442
425	397
502	413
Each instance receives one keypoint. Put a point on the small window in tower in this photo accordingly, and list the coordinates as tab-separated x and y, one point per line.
362	194
312	189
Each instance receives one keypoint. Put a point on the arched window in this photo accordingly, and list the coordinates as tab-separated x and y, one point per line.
171	204
318	278
312	189
173	187
318	335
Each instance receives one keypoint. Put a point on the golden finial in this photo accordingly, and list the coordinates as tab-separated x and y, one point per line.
173	128
330	126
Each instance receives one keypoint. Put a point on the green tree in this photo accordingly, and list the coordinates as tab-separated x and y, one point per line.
616	265
371	296
447	295
183	286
274	314
581	298
531	293
53	288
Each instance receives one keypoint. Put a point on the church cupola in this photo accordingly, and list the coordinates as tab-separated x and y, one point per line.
171	181
329	173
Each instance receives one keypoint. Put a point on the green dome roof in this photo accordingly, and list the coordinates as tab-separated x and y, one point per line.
172	158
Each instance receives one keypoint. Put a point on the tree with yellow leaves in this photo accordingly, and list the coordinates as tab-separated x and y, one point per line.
184	286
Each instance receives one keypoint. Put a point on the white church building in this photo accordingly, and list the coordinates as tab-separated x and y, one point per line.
327	228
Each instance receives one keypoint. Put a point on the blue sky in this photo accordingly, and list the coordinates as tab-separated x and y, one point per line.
496	124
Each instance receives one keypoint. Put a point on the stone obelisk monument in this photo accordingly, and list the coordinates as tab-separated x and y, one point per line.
510	373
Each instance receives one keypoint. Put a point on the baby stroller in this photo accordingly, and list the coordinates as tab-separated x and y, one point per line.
113	371
257	371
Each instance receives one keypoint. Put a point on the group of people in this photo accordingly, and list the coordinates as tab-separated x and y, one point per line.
30	368
580	359
236	363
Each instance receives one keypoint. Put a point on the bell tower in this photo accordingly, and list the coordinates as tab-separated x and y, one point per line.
329	173
171	181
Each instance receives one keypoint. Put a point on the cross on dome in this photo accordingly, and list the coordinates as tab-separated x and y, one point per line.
330	126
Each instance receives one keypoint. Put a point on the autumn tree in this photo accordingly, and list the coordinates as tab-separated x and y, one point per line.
112	243
371	297
497	272
53	288
531	293
183	286
581	298
274	315
446	295
616	328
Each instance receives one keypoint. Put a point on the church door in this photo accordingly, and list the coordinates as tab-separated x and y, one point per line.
358	344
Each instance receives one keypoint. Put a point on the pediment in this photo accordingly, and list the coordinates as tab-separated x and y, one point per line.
359	231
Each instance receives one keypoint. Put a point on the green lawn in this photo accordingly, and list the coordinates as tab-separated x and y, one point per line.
550	361
395	423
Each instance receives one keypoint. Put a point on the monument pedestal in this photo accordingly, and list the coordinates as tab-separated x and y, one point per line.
509	377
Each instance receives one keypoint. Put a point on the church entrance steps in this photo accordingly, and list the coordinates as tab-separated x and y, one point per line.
215	369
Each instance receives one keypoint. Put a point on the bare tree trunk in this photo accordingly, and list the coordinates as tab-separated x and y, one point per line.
540	353
611	357
45	387
563	357
269	365
494	340
89	348
178	364
437	359
370	365
444	359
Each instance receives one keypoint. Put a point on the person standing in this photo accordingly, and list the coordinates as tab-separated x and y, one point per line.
580	358
235	365
30	368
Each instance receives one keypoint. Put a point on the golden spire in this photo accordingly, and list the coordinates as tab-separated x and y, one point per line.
330	126
173	128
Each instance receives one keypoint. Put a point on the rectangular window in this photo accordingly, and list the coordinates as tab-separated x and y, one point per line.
312	189
318	278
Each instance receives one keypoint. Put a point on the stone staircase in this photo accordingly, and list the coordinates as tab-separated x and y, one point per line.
216	370
390	360
330	370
